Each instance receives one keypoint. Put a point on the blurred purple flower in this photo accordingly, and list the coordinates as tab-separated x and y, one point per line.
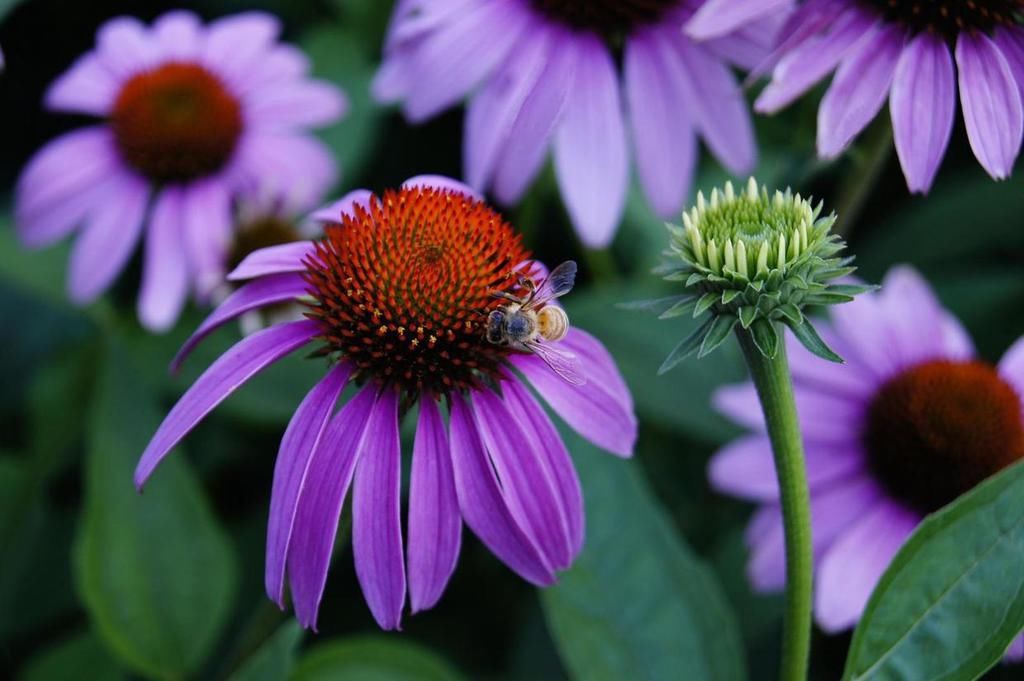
545	72
194	117
397	295
918	55
912	421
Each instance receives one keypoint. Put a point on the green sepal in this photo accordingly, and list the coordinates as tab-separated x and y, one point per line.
686	347
766	338
720	330
852	289
828	275
748	314
826	298
667	269
791	312
657	305
679	309
694	279
705	303
730	295
810	339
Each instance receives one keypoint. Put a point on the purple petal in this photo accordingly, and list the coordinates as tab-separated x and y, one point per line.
492	112
87	87
718	106
1011	369
808	63
345	205
601	410
590	146
922	104
125	47
164	267
526	147
321	497
852	566
179	35
1015	653
527	483
483	506
824	415
273	260
844	379
860	324
914	317
539	429
236	366
442	183
991	102
281	63
666	146
296	104
208	224
859	89
287	167
108	240
235	45
459	54
376	514
767	567
748	47
716	18
435	526
300	440
269	290
745	467
62	183
1010	41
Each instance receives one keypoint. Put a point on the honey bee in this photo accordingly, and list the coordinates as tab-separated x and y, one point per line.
530	324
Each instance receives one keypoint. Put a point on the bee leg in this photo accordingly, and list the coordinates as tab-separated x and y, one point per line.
506	296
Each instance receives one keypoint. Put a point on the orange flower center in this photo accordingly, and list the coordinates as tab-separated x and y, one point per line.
940	428
176	123
403	290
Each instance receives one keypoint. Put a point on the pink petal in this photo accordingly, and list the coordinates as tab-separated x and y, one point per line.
164	267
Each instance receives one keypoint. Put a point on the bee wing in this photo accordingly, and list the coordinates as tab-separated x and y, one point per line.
558	283
562	362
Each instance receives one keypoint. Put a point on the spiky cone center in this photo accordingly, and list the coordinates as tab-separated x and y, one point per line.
936	430
404	287
756	259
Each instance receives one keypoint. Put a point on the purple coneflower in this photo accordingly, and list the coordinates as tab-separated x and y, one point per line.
193	117
912	421
542	72
919	55
398	297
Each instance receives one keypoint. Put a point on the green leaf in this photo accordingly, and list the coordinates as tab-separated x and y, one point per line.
275	658
156	572
637	604
766	338
687	346
720	330
373	658
952	599
808	336
76	658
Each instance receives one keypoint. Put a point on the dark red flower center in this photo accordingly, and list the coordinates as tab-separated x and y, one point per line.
938	429
261	233
609	17
176	123
403	289
949	17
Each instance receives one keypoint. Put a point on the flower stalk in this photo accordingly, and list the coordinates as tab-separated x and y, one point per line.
775	392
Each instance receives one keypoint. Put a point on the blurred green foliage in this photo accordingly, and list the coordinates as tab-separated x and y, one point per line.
97	582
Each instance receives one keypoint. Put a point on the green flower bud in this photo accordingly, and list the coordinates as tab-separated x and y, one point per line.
755	260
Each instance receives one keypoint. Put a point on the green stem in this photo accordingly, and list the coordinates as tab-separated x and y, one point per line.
775	390
854	194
